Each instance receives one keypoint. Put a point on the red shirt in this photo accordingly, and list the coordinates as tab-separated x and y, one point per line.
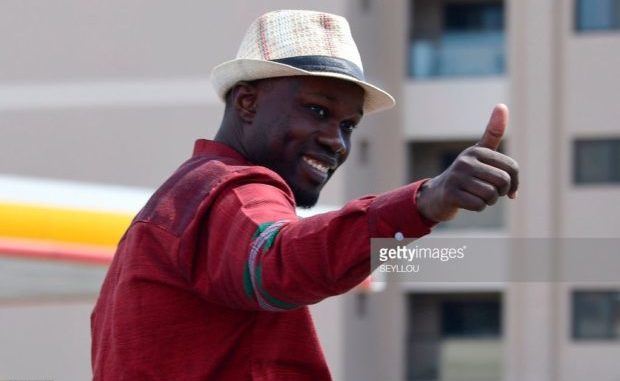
212	279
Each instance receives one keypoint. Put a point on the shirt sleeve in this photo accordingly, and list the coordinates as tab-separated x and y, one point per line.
262	256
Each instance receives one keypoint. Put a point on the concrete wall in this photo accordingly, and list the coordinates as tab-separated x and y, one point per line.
45	340
451	109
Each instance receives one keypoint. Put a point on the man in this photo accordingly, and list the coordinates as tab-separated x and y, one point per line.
212	279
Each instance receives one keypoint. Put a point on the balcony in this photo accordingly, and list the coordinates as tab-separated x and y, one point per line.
458	54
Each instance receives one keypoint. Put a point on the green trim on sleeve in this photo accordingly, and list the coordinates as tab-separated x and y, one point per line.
273	301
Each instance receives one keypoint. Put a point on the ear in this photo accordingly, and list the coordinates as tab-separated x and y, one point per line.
244	96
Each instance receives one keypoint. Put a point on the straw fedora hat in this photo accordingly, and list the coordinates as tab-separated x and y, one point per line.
298	42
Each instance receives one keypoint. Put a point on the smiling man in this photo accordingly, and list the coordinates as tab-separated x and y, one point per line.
212	279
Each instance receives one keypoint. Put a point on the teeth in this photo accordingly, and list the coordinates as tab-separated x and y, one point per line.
315	164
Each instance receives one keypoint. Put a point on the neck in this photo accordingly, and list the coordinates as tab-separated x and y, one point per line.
231	135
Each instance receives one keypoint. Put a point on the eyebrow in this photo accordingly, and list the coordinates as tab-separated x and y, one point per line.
321	95
332	99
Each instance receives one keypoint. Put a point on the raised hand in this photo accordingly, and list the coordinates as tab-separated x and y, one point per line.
476	178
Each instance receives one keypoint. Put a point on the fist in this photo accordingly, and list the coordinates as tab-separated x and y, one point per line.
478	177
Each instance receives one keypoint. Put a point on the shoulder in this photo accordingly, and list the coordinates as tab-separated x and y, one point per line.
196	184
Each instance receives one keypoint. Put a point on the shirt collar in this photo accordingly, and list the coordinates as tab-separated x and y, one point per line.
204	147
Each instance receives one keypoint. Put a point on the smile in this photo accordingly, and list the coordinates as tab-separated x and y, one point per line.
321	167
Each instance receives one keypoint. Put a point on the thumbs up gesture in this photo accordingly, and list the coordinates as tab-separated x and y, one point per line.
477	177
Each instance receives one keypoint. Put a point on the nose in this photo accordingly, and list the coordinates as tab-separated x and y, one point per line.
333	139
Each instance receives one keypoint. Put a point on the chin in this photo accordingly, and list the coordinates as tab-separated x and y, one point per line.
305	198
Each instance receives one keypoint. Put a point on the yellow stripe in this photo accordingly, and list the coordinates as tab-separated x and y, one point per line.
62	224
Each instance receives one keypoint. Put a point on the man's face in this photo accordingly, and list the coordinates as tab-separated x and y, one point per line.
302	130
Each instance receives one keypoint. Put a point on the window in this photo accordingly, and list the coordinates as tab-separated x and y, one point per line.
597	161
593	15
454	337
596	315
429	159
470	318
456	38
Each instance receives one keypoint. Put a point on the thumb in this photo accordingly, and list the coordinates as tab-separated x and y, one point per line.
495	129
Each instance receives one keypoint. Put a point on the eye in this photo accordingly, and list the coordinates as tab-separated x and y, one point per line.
320	112
348	126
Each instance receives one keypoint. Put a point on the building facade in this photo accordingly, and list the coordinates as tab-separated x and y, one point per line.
449	62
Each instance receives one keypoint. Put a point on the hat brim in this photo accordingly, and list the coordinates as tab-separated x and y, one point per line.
225	75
